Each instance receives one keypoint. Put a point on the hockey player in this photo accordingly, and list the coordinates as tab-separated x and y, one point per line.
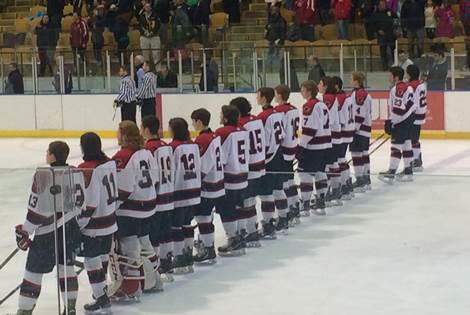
420	93
137	202
328	90
402	116
40	222
257	169
235	161
274	132
315	141
98	222
212	187
359	147
346	119
160	234
291	121
187	181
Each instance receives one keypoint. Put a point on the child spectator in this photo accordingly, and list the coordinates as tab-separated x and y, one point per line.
429	20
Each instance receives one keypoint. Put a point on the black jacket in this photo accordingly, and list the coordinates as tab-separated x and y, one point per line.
201	13
276	28
383	21
437	76
170	81
55	7
15	79
316	73
412	14
149	26
162	9
46	36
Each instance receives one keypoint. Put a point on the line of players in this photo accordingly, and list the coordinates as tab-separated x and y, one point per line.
137	208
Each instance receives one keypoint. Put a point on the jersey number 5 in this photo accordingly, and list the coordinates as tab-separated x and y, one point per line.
146	180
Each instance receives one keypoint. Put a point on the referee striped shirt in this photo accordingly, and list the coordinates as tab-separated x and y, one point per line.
127	90
148	89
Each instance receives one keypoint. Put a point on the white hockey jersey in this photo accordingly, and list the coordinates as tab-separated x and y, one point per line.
291	122
137	177
235	156
335	126
401	102
420	100
68	203
362	106
316	133
163	155
212	170
99	217
187	173
274	131
257	145
346	117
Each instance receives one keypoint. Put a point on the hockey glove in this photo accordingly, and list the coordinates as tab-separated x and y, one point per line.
22	237
116	104
388	127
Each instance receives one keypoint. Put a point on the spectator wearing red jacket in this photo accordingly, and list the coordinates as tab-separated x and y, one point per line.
342	10
305	14
78	38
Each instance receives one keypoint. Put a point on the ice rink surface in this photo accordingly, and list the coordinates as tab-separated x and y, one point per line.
401	249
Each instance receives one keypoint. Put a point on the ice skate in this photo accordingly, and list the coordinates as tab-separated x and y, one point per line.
359	185
350	186
165	269
188	254
319	206
345	195
387	177
180	265
23	312
205	255
252	240
406	175
333	199
418	165
70	308
305	211
158	287
102	305
282	225
121	297
233	248
294	212
367	182
269	231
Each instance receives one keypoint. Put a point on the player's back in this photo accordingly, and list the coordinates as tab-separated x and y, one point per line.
101	197
235	156
316	133
136	181
257	145
335	126
187	173
362	106
420	101
163	154
274	131
291	121
346	117
401	102
212	171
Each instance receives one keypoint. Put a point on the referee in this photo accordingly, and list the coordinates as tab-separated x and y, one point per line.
127	96
147	92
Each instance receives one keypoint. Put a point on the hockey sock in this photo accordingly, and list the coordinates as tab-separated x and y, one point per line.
291	193
366	162
357	164
344	170
416	150
241	221
149	251
188	232
321	186
267	207
105	264
96	275
206	229
335	176
395	156
252	220
280	201
29	290
407	153
230	226
68	283
329	171
306	186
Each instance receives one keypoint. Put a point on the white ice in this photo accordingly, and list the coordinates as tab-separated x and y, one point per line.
401	249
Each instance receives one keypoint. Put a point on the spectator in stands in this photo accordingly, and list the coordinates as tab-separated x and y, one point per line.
162	8
315	73
464	8
211	80
382	20
120	30
445	18
68	80
166	78
182	27
149	34
429	20
14	84
342	10
275	34
139	71
403	60
46	41
437	75
55	10
232	8
294	80
412	19
78	38
324	8
392	5
97	24
77	6
368	8
305	17
201	21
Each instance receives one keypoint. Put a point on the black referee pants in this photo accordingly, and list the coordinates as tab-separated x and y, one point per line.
148	107
128	111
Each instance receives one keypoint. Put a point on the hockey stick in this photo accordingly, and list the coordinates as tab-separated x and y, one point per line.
19	286
12	254
377	139
376	148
